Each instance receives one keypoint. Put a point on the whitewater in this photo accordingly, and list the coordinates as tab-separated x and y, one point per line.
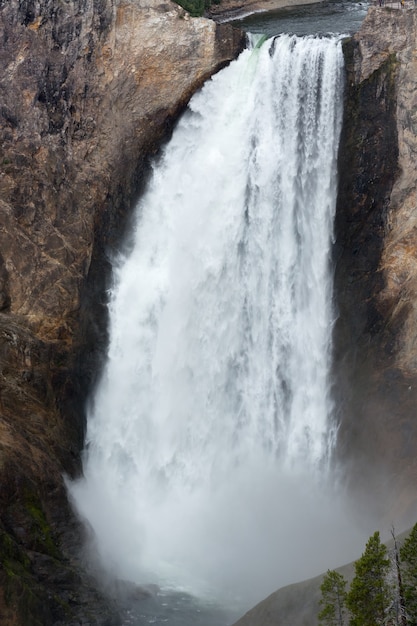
208	463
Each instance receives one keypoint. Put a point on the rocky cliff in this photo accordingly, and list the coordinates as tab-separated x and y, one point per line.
88	89
376	263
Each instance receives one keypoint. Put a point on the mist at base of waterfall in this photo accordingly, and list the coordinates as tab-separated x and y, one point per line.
256	533
176	609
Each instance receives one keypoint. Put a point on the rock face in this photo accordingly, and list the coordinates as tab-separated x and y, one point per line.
376	262
88	89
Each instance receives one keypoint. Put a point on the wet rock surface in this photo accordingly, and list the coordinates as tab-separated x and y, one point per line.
375	264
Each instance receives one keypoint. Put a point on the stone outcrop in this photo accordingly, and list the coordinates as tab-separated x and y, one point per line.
88	90
296	604
376	266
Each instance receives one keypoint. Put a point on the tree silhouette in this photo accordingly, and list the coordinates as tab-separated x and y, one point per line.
333	599
370	595
408	564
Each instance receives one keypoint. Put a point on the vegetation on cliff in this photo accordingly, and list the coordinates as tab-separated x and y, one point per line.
196	8
383	589
369	589
408	559
333	600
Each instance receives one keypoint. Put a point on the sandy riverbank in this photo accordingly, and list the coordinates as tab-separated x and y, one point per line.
233	9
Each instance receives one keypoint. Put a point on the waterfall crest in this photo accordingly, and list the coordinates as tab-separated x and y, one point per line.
213	417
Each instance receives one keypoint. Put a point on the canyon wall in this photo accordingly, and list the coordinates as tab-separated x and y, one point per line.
88	90
376	270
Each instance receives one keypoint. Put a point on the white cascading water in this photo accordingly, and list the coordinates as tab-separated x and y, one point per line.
211	430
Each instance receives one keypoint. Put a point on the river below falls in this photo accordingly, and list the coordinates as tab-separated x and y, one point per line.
173	608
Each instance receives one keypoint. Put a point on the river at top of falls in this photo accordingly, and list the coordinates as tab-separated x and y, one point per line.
210	435
326	17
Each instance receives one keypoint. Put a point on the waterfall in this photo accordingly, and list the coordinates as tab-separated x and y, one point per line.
211	431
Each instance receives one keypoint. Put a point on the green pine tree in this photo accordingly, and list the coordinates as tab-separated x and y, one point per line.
408	564
370	595
333	598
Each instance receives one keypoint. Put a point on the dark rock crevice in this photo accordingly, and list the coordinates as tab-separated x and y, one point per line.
376	395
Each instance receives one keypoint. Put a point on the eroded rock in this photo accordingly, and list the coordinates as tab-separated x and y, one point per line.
376	264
